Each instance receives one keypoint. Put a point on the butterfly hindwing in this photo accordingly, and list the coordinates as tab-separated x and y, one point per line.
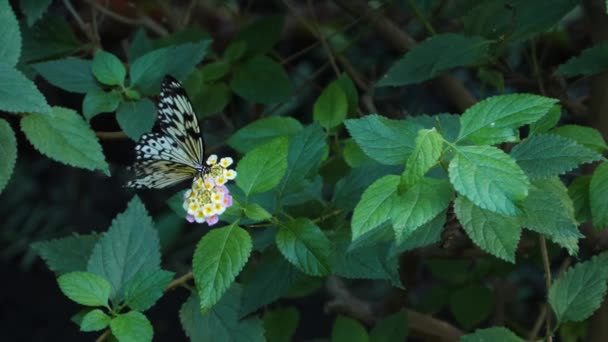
159	174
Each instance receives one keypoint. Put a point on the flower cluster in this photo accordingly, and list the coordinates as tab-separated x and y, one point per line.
209	197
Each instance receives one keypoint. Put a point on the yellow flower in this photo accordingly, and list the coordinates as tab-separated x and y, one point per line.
208	210
220	180
225	162
230	174
212	159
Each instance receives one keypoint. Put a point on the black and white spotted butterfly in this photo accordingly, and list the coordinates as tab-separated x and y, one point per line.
176	153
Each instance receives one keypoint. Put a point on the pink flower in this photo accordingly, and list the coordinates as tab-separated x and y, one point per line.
212	220
227	200
190	218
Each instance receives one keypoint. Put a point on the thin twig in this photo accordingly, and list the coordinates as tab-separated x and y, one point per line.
316	27
142	21
103	336
179	281
84	27
111	135
421	17
548	281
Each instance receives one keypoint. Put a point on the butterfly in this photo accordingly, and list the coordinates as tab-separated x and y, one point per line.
175	153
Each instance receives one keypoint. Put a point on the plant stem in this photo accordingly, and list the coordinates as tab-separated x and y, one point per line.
547	268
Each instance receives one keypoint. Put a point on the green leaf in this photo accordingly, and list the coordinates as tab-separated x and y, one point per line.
579	192
448	125
491	334
211	98
419	205
262	131
386	141
331	107
140	45
144	289
261	80
546	155
423	62
390	328
590	62
492	232
352	97
65	137
136	117
494	119
19	94
348	330
129	248
235	51
489	177
262	34
10	36
354	156
94	320
427	234
214	71
219	257
68	254
256	212
132	326
429	146
262	168
98	101
85	288
586	136
304	245
579	291
375	206
71	74
50	37
547	122
34	9
108	69
280	324
349	189
470	315
8	152
598	192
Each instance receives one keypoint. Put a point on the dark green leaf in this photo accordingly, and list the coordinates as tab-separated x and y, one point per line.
140	45
94	320
598	194
491	334
280	324
349	189
144	289
71	74
136	117
352	97
427	234
68	254
34	9
85	288
304	245
261	80
262	34
8	152
10	36
390	329
214	71
18	94
375	205
331	107
132	326
586	136
262	168
98	101
579	192
211	98
429	146
546	122
50	37
256	212
262	131
590	62
348	330
470	315
108	69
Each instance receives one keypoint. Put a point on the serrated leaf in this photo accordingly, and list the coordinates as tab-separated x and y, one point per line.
429	146
262	168
448	125
132	326
261	80
50	37
8	152
144	289
85	288
140	45
546	155
427	234
18	94
348	330
262	34
386	141
108	69
579	193
492	232
98	101
262	131
492	120
471	315
65	137
136	117
354	156
419	205
579	291
219	257
304	245
10	36
280	324
130	247
489	177
70	74
390	328
586	136
598	192
375	206
331	106
548	121
491	334
33	9
349	189
256	212
94	320
589	62
68	254
423	62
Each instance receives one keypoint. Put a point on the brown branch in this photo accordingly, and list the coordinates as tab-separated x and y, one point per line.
142	21
179	281
111	135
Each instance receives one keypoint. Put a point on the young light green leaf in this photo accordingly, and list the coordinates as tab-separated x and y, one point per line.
136	117
386	141
429	146
590	62
256	212
18	94
492	120
70	74
579	291
348	330
94	320
423	62
132	326
261	80
262	131
546	155
108	69
547	122
144	289
128	248
390	328
34	9
68	254
235	51
586	136
10	36
598	192
280	324
470	315
219	257
262	168
331	106
418	205
85	288
303	243
354	156
8	153
492	232
352	97
375	206
98	101
579	193
65	137
489	177
492	334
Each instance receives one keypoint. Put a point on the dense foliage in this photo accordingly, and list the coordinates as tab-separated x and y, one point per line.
430	170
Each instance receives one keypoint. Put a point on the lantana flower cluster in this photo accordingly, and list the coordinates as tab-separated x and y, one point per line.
209	197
